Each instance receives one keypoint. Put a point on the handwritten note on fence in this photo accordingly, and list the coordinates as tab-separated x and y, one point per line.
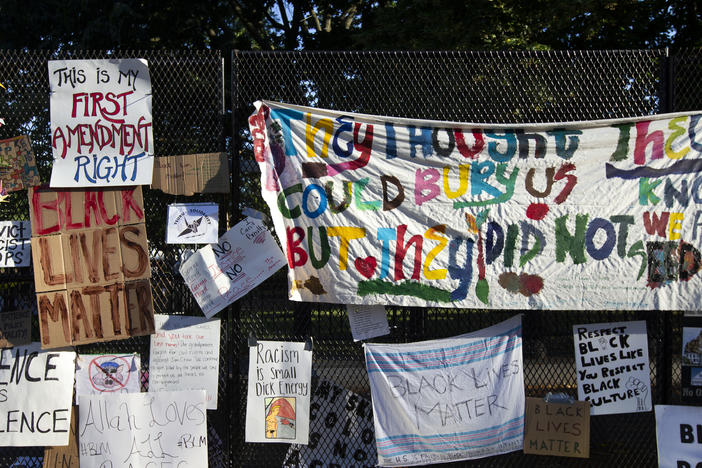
560	429
143	429
15	328
185	355
14	243
612	365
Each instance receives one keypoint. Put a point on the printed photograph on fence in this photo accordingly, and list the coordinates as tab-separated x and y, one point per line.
584	215
184	355
107	373
15	328
143	429
18	166
65	456
691	381
341	430
101	133
192	223
278	400
679	435
91	265
449	399
220	273
15	244
36	390
367	321
558	429
611	360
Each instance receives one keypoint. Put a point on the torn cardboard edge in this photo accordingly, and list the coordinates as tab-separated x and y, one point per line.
192	173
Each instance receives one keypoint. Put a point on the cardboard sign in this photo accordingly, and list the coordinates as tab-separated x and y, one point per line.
221	273
612	365
450	399
101	131
36	389
679	436
14	243
192	223
341	430
560	429
18	168
67	456
107	373
192	173
185	355
691	381
367	321
91	265
278	400
15	328
143	429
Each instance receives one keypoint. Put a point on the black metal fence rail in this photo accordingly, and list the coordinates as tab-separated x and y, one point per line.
190	111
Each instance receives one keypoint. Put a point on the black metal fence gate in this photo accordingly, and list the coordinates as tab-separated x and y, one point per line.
201	104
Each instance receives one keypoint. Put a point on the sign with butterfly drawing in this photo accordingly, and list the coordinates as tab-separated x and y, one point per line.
192	223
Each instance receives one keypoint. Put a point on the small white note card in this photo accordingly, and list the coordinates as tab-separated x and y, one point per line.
367	321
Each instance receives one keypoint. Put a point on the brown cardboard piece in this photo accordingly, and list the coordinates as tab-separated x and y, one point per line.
559	429
67	456
192	173
15	328
18	168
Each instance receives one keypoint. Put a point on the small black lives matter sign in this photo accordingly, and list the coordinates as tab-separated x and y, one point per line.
560	429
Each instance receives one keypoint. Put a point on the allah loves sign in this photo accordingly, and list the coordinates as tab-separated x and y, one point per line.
101	123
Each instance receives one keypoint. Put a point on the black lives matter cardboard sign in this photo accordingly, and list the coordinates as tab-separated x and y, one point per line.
91	265
560	429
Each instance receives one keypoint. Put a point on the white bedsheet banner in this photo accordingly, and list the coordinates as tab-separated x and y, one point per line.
451	399
578	215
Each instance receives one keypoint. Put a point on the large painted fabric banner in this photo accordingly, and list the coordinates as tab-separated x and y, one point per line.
577	215
451	399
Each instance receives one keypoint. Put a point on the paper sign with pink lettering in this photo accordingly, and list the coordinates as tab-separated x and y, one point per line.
101	131
574	215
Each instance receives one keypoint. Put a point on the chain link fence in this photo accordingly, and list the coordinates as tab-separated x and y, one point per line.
190	113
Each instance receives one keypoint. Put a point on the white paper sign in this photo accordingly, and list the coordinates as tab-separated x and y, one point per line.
367	321
612	366
107	373
278	402
185	355
101	131
143	430
15	243
192	223
36	390
679	436
451	399
221	273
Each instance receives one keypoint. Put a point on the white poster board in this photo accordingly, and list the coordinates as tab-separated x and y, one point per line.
278	401
367	321
185	355
15	243
36	390
101	131
612	366
107	373
143	429
679	436
221	273
192	223
449	399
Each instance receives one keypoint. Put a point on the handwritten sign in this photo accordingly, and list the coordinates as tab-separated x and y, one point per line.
242	258
192	223
341	430
189	174
18	169
15	328
14	243
143	429
91	265
36	388
101	128
66	456
691	378
577	215
107	373
560	429
679	436
612	365
367	321
278	402
185	355
450	399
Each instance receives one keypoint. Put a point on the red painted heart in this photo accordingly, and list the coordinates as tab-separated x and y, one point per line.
366	266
